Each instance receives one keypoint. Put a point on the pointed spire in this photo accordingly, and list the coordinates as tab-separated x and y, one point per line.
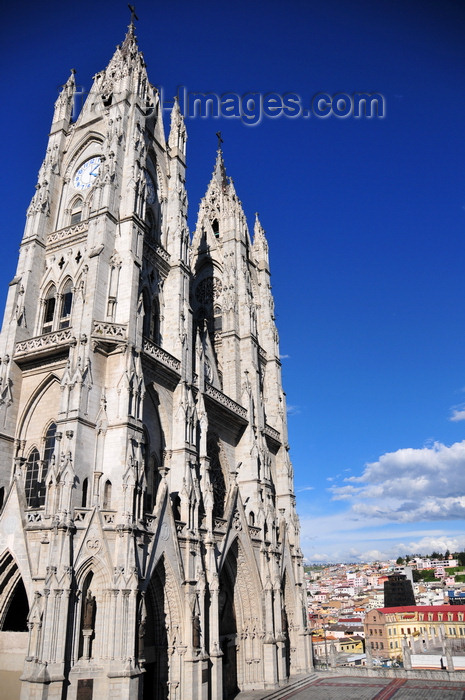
178	134
64	103
130	40
219	173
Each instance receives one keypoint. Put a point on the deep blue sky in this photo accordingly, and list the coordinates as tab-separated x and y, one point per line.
365	220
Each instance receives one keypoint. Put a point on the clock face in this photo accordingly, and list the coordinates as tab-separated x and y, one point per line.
151	193
87	174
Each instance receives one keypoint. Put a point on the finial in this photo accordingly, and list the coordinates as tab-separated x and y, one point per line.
132	9
220	140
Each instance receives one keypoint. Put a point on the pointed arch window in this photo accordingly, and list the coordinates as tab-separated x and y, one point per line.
217	319
76	212
49	310
85	488
107	495
49	448
66	304
216	477
33	486
37	468
155	321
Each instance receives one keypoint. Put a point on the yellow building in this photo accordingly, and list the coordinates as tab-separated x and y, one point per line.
351	645
422	626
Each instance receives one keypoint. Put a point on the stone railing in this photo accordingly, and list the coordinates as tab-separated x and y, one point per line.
108	517
224	400
153	249
255	531
219	524
68	232
34	516
81	516
272	433
42	342
161	355
104	330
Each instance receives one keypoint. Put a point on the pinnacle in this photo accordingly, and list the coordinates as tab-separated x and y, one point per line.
219	173
130	40
176	115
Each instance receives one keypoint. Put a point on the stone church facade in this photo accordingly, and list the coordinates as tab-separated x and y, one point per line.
149	542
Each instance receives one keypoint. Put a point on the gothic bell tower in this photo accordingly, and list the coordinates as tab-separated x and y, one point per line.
149	542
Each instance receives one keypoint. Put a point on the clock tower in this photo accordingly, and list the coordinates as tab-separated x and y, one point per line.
149	542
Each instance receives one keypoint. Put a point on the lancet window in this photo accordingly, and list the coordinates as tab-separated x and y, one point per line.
37	468
57	308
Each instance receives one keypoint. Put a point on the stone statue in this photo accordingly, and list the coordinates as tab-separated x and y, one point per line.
141	637
196	632
89	611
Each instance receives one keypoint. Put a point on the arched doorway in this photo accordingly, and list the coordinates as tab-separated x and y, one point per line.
155	638
285	627
228	624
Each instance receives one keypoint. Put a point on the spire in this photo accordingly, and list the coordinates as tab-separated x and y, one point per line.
219	173
125	71
64	103
178	134
130	40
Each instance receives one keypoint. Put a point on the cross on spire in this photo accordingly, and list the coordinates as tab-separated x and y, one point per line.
220	140
133	13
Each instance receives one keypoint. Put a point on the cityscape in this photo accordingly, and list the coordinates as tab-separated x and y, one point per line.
372	613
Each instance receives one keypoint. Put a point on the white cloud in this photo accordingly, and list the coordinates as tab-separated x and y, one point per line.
339	537
410	485
424	486
458	414
305	488
293	410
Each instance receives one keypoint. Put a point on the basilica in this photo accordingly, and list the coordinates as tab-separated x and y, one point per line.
149	542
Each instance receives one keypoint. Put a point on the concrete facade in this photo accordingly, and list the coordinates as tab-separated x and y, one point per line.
149	542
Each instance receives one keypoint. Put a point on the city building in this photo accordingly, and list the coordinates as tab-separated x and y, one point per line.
149	542
398	591
420	627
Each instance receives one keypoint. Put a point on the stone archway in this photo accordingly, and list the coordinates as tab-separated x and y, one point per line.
228	623
159	629
155	639
285	625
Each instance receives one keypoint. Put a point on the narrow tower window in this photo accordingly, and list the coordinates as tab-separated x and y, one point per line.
85	486
107	495
76	212
66	304
49	445
49	310
155	321
36	470
32	485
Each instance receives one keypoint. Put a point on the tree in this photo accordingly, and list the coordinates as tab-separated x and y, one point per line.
461	558
399	561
